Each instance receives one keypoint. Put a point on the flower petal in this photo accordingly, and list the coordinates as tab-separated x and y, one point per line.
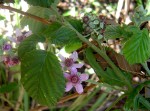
68	86
78	65
62	64
84	77
18	33
28	33
74	56
79	88
11	39
61	57
73	71
67	76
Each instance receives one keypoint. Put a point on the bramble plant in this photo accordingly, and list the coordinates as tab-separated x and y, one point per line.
49	77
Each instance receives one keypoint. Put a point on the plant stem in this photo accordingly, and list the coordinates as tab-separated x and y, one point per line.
26	14
100	100
100	52
19	101
114	103
9	102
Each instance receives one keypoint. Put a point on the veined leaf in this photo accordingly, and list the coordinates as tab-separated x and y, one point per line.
34	25
137	48
29	44
132	95
73	45
77	24
113	31
8	87
42	77
140	15
107	76
51	29
92	61
145	102
62	36
41	73
43	3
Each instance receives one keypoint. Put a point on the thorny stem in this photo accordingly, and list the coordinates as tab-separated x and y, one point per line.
26	14
100	52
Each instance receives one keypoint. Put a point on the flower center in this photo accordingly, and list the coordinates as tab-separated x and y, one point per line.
69	62
6	47
75	79
20	38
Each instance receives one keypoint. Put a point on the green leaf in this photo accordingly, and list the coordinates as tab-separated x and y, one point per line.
34	25
2	17
42	3
8	87
42	77
134	93
137	48
62	36
29	44
92	61
140	16
77	24
73	45
41	73
112	79
51	29
113	31
145	102
107	76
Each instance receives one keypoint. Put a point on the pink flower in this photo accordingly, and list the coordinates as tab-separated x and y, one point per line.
69	62
20	36
75	80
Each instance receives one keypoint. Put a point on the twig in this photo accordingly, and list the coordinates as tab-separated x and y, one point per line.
6	100
126	7
64	99
119	7
26	14
41	108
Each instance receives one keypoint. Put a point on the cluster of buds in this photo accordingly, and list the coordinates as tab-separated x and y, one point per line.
7	57
74	78
93	24
10	61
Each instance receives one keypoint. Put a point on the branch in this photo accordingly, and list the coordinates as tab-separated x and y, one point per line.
26	14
